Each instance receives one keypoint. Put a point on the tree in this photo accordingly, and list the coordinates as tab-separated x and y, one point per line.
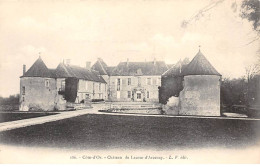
250	11
233	91
251	71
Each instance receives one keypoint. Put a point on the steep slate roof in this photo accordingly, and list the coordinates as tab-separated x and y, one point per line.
110	69
169	65
38	69
53	73
100	66
65	71
176	70
200	66
139	68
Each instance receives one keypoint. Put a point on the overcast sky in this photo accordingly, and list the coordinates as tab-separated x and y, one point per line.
116	30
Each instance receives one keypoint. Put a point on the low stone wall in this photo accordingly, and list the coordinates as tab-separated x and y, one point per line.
136	111
133	108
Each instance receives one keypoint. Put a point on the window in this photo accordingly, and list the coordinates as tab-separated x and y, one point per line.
47	83
86	96
129	81
139	81
118	84
128	94
138	95
154	81
99	87
62	88
148	81
23	90
23	98
148	94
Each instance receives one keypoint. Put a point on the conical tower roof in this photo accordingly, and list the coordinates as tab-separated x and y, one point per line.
200	66
38	69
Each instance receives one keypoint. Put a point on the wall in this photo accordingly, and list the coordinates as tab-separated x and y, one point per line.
124	87
38	96
200	95
91	88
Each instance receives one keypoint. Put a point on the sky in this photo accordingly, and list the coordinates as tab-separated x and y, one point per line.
116	30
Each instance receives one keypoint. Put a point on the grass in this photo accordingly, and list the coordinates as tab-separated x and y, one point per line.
5	117
130	132
9	107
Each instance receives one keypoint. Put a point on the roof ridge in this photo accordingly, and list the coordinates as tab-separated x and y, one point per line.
102	67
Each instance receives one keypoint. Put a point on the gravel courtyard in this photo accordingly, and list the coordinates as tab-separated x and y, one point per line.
98	132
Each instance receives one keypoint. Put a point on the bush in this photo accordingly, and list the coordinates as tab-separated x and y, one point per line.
97	100
12	99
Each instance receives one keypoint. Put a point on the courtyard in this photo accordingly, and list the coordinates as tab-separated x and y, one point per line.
131	132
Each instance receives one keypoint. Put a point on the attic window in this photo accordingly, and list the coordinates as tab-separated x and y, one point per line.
47	83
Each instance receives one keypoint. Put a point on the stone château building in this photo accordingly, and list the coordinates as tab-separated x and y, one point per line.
47	89
132	81
194	85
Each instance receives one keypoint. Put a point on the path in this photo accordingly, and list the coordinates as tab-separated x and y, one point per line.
64	115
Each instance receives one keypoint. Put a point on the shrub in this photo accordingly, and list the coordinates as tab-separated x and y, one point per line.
97	100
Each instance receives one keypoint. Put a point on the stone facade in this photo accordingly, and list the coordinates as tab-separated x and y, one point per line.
200	96
44	89
91	90
132	81
134	88
193	89
39	93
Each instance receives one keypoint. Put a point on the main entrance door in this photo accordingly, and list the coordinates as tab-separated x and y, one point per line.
138	96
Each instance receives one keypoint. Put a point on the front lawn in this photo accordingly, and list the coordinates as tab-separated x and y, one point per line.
91	132
5	117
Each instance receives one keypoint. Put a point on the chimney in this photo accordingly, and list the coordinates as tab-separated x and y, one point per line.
24	69
67	62
127	61
88	63
154	61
